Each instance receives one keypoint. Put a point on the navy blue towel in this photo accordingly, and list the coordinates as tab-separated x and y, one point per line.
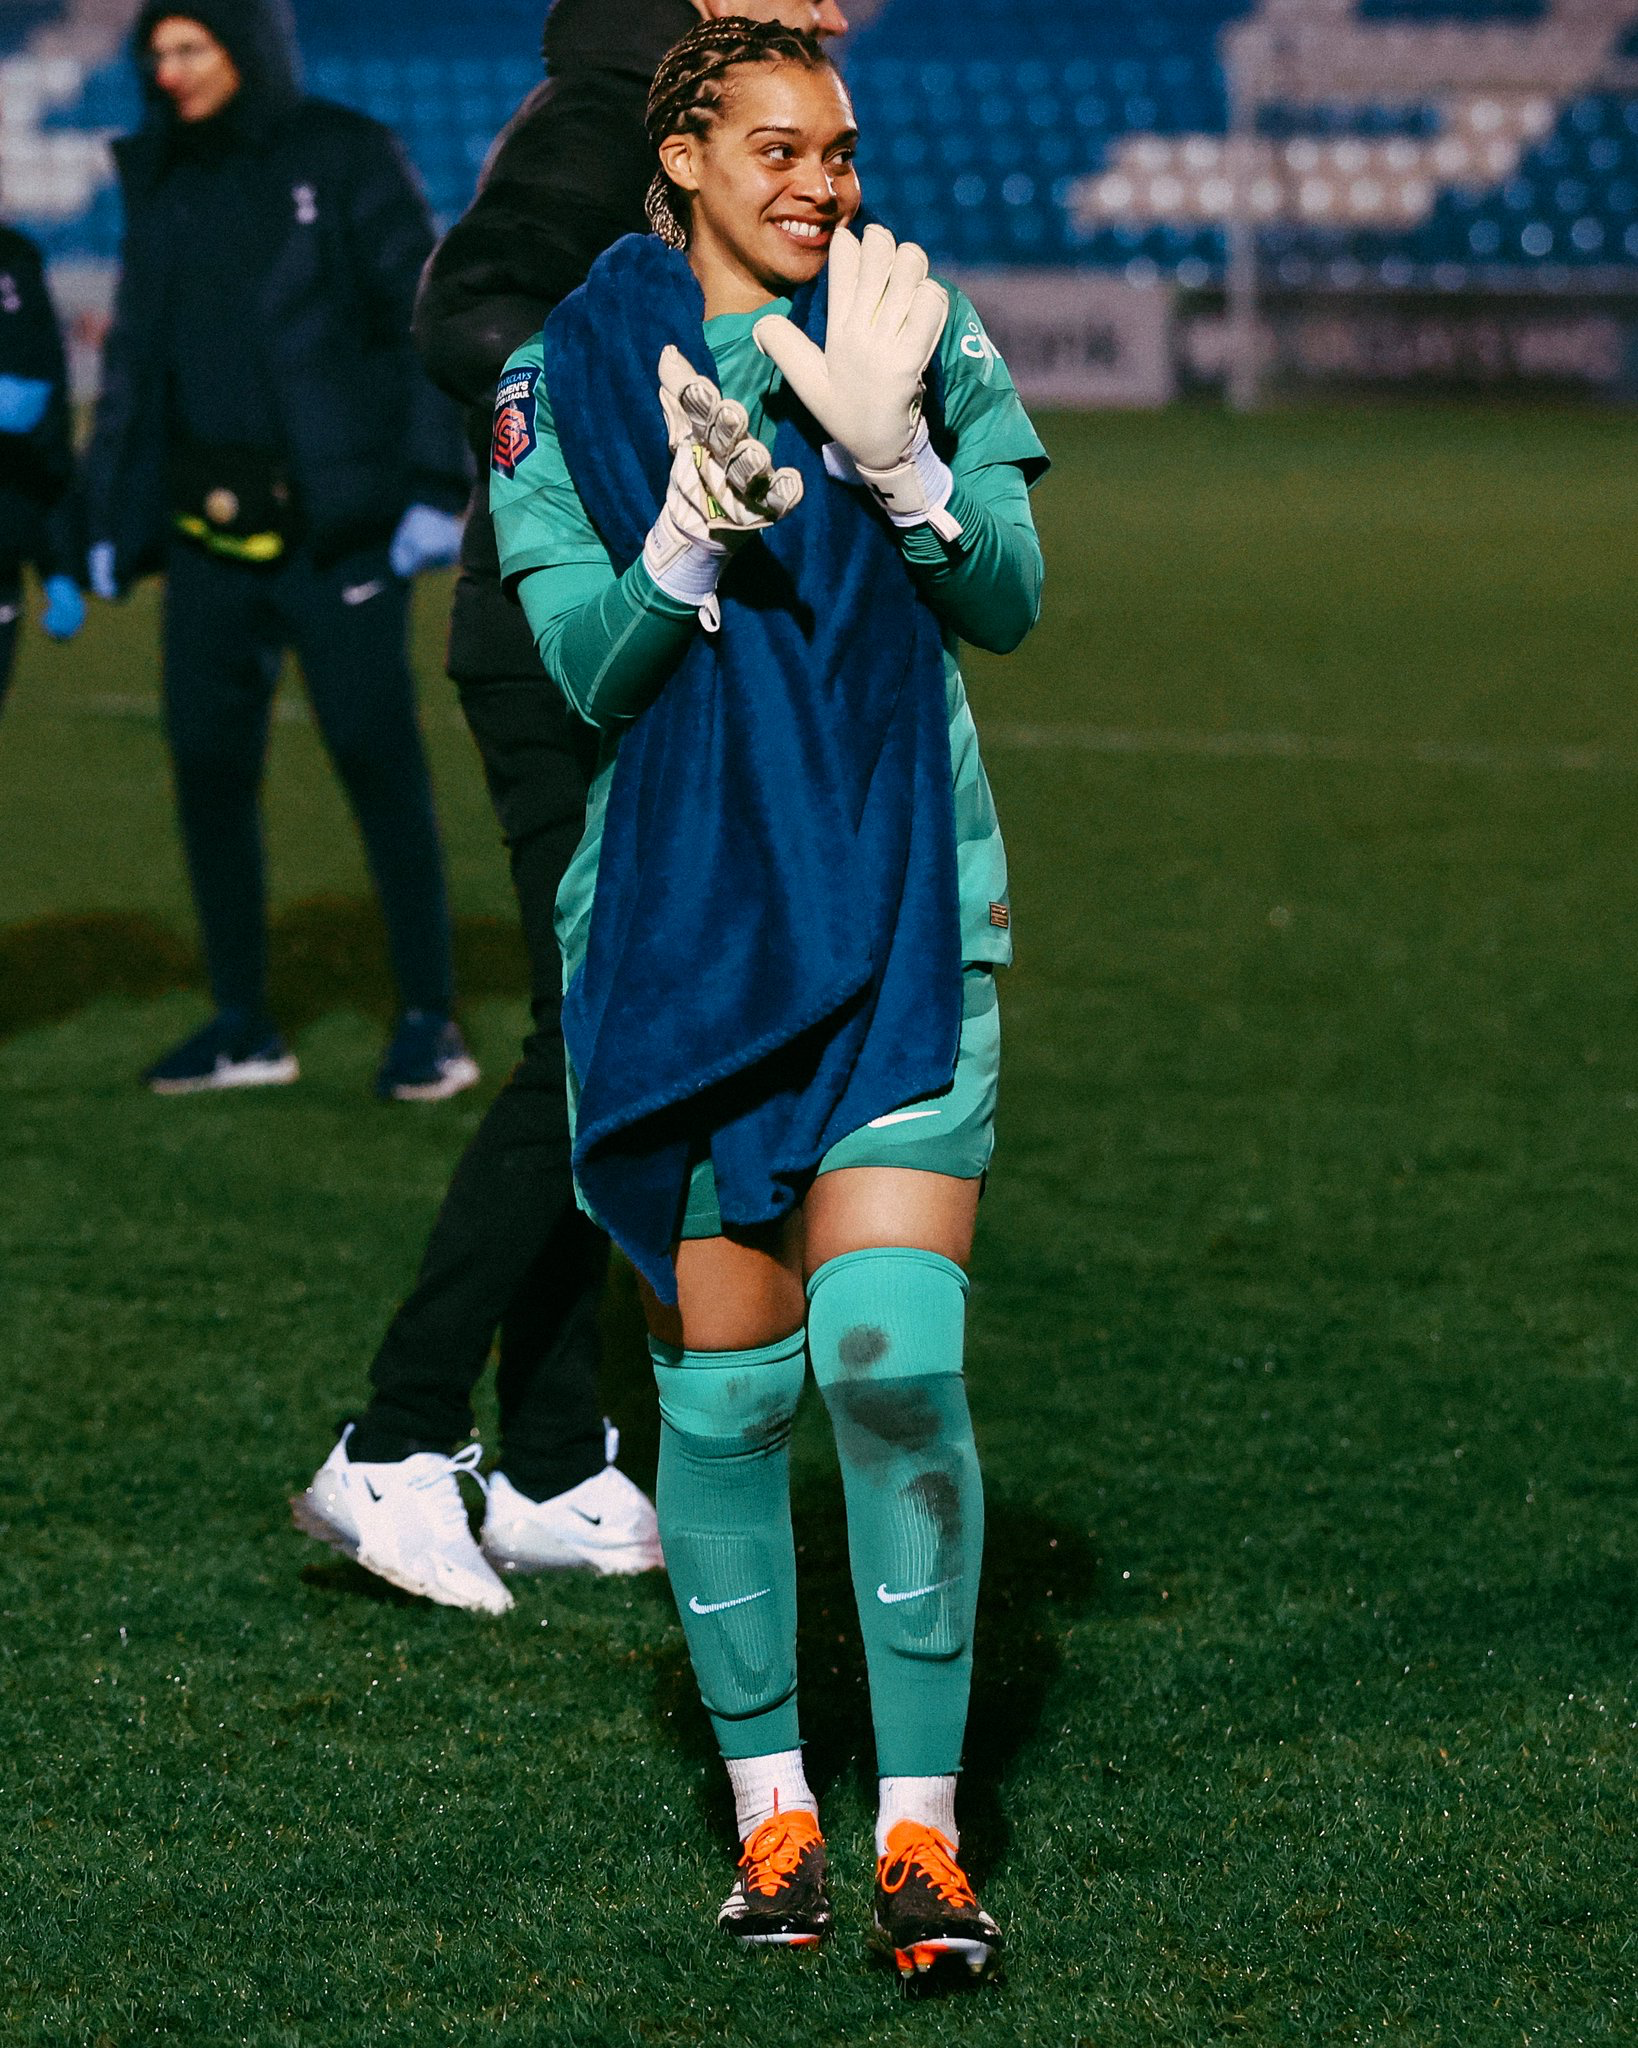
775	949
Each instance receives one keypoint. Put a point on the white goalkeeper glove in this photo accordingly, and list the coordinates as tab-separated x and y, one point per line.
865	386
723	488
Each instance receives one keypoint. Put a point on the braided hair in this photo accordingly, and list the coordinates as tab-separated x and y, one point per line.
690	91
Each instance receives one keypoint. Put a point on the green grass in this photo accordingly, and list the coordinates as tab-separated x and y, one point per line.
1302	1346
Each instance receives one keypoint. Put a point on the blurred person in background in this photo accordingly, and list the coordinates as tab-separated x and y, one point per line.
510	1253
267	439
40	518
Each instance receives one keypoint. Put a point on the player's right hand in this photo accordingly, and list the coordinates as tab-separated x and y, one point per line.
722	489
721	472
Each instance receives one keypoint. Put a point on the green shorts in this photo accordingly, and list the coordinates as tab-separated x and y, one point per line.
951	1132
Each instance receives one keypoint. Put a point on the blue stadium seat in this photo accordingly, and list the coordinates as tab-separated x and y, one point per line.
978	156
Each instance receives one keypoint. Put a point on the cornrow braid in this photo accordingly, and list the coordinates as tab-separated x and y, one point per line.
690	89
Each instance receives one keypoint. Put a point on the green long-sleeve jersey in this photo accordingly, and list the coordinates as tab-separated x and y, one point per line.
608	641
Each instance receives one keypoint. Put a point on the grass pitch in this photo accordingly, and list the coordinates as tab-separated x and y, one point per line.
1302	1346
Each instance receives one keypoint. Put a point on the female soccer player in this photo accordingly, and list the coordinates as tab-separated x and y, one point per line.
780	930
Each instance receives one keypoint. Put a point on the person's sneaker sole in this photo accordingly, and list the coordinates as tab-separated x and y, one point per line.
626	1562
774	1940
458	1075
310	1519
241	1074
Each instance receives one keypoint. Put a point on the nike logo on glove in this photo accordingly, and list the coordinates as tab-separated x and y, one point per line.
899	1116
595	1520
696	1606
892	1599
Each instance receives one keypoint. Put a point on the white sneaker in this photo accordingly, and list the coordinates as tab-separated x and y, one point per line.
605	1522
405	1521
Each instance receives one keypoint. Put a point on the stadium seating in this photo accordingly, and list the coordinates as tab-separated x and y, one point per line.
1573	200
20	21
1088	133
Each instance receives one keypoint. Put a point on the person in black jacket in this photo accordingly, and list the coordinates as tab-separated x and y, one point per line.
39	500
266	438
510	1252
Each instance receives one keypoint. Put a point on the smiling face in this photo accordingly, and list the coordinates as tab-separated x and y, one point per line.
768	184
191	68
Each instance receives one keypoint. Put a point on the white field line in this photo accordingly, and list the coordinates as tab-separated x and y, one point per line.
1296	746
1105	739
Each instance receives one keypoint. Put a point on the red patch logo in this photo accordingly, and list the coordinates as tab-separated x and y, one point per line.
515	437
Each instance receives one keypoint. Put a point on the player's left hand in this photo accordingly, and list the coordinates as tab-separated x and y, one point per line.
64	612
426	539
884	318
882	324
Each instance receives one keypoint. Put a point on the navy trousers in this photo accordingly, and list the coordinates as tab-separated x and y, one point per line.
510	1254
227	627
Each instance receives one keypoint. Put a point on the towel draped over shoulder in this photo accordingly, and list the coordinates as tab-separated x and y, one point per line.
774	955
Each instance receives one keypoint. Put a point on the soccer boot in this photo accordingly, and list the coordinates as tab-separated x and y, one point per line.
231	1051
605	1523
779	1898
405	1521
427	1061
927	1914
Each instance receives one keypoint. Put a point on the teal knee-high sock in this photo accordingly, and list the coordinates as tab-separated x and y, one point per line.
885	1333
724	1503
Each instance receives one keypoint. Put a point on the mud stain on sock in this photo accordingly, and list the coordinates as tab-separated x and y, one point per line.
862	1347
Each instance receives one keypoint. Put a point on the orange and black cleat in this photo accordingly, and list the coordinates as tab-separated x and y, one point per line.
779	1898
928	1915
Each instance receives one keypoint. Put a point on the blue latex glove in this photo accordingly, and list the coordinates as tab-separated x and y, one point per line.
64	613
99	570
426	539
23	401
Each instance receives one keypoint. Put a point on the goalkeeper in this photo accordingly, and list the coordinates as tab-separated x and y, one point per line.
746	519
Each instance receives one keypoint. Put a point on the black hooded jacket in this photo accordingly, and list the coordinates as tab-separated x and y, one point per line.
39	499
332	232
566	177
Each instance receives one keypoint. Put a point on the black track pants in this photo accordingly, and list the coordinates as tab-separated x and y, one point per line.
227	625
510	1254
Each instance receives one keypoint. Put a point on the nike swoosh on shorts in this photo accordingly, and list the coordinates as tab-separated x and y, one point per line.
716	1606
899	1116
892	1599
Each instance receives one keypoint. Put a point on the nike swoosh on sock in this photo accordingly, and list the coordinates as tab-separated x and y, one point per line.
716	1606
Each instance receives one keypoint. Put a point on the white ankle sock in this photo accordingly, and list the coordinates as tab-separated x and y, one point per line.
764	1784
931	1801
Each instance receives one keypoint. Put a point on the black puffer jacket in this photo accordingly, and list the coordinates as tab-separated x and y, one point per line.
566	177
337	231
39	502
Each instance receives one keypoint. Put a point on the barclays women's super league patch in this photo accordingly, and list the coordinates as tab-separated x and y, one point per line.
514	420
